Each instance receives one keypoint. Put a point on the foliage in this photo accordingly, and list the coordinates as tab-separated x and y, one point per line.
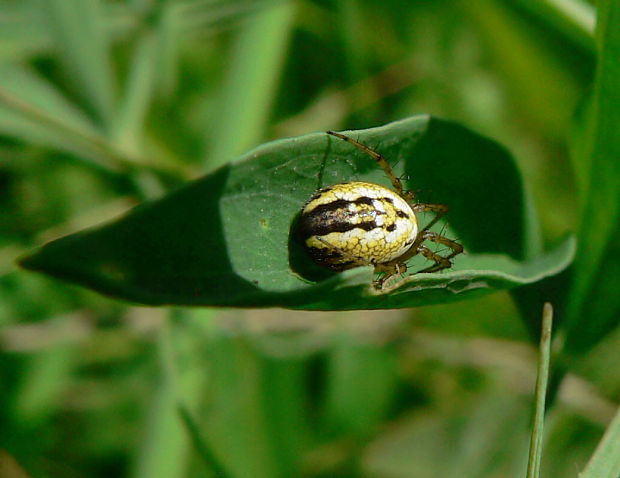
108	104
229	238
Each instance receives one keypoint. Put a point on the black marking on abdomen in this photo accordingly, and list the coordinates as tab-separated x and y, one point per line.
335	216
313	225
332	259
340	204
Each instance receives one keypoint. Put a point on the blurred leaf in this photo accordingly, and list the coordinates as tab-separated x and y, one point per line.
569	442
594	307
574	18
82	44
580	144
236	422
33	110
605	463
522	55
22	30
256	60
362	384
10	467
168	47
284	396
228	239
25	87
485	437
138	93
494	315
45	377
595	365
165	448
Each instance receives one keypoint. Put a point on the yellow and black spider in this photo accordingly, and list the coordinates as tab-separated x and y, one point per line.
358	223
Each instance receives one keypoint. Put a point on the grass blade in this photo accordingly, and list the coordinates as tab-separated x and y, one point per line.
81	39
138	94
167	447
33	110
533	466
256	62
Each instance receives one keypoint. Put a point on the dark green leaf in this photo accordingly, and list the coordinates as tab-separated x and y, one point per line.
595	303
228	238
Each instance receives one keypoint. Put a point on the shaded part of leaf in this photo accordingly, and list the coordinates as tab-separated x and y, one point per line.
600	313
530	299
462	170
155	254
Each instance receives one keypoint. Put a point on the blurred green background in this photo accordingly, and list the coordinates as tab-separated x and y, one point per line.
104	104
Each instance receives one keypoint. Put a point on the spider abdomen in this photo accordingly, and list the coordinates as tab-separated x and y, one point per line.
355	224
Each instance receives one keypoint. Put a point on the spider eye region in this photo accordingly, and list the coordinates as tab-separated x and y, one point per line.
356	224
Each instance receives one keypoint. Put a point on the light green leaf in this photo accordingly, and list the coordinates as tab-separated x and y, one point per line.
35	111
605	463
138	94
81	40
256	61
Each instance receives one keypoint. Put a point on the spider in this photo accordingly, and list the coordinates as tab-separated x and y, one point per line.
358	223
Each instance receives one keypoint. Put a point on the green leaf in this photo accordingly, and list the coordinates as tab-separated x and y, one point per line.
595	303
229	238
523	55
362	381
138	95
35	111
22	30
82	43
605	463
246	102
484	436
29	99
574	19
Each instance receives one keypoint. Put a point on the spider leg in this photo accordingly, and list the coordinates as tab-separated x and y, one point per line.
436	208
395	180
440	211
439	239
441	262
389	270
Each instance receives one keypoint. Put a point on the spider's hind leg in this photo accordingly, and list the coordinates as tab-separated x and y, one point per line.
389	270
441	262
